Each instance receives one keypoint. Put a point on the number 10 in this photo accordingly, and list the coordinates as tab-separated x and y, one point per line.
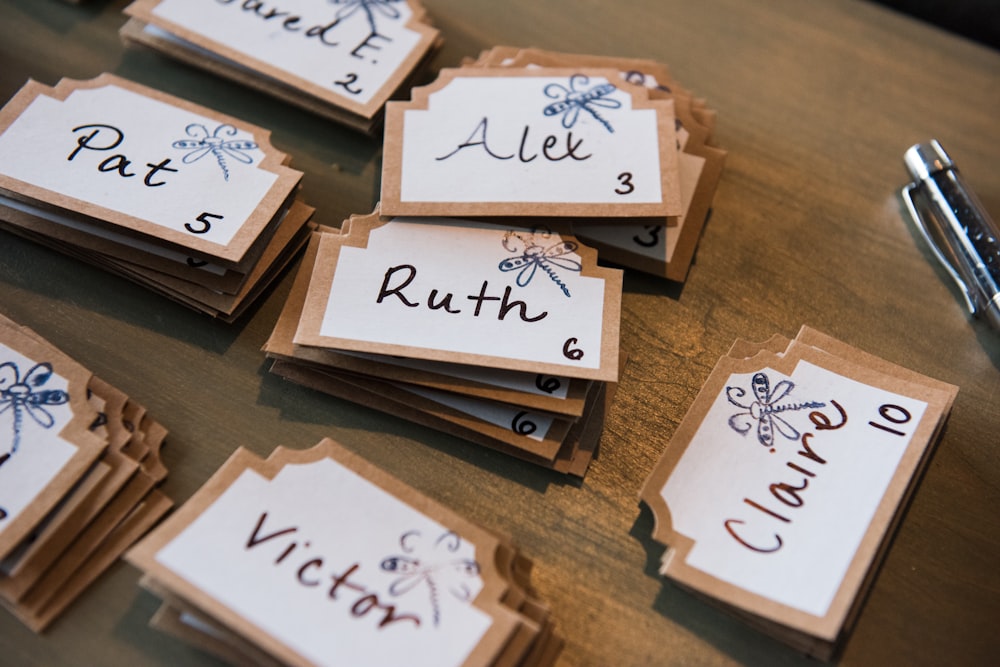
894	414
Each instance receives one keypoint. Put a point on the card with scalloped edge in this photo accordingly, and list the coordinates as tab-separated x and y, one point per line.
341	60
47	444
780	490
78	477
192	203
531	142
371	571
536	391
557	395
510	297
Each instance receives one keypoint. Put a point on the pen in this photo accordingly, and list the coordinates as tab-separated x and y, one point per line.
956	227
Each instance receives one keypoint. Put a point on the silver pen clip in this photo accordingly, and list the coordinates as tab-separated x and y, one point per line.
956	227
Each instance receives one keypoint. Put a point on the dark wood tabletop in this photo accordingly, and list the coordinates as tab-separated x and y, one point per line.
816	104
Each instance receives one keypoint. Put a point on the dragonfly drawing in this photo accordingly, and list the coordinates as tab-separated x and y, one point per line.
434	564
533	256
578	97
20	396
220	144
765	409
386	8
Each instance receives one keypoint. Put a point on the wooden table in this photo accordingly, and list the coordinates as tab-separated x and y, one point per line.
816	102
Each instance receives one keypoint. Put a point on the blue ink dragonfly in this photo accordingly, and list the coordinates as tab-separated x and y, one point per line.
23	395
765	409
576	98
433	564
219	144
349	8
534	256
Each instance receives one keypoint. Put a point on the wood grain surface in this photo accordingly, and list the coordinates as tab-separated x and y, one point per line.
816	103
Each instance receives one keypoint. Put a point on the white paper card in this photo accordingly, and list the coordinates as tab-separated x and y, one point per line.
531	142
34	408
351	50
131	159
798	467
467	293
363	578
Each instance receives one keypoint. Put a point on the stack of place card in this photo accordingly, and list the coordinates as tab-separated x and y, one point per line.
503	336
316	557
78	470
780	491
446	324
193	204
341	59
614	143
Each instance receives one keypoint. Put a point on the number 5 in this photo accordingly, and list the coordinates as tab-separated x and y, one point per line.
206	225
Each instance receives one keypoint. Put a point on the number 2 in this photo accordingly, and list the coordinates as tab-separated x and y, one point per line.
347	82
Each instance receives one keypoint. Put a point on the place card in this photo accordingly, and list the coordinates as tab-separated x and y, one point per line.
343	60
194	204
780	490
551	420
547	142
464	292
78	476
47	445
545	393
370	571
664	248
575	453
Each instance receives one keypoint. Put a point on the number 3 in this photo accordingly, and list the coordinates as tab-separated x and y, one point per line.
654	236
625	178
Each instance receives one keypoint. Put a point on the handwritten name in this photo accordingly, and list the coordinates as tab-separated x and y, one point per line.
478	140
312	571
398	278
788	494
101	138
287	20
